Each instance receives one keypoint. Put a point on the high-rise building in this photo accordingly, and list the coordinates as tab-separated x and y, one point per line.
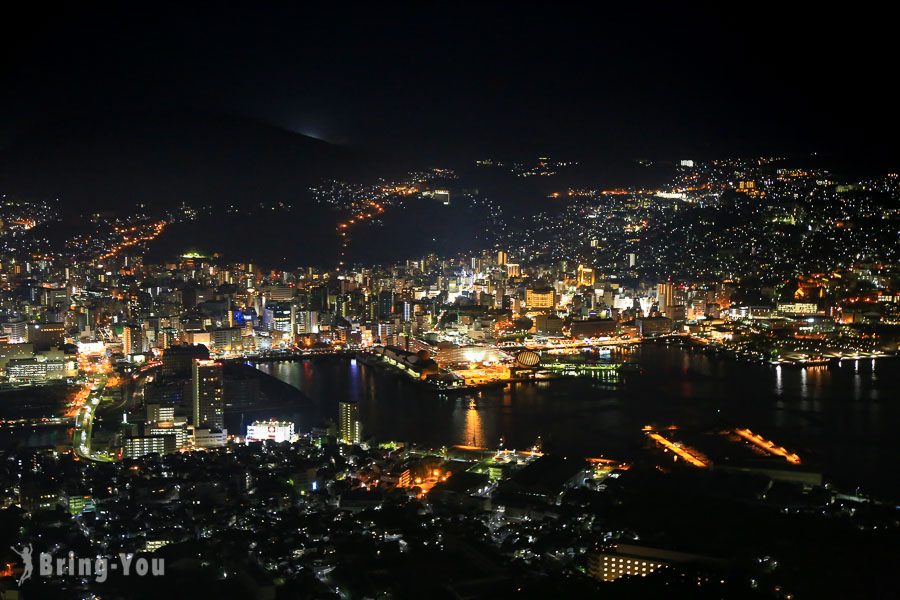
208	394
385	303
307	322
513	270
502	257
351	428
132	340
665	296
282	315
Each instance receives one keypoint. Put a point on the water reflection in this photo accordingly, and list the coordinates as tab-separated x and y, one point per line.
805	408
474	427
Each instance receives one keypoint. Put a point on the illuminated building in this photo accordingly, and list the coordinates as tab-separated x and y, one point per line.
46	335
204	437
137	446
482	375
278	293
276	431
502	258
17	330
55	296
585	276
278	316
78	504
513	270
749	188
652	326
307	322
226	339
665	297
36	369
132	340
797	308
450	354
207	394
629	560
11	351
175	429
540	298
39	495
350	427
160	412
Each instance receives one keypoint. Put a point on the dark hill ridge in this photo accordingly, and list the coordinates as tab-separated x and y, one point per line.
123	159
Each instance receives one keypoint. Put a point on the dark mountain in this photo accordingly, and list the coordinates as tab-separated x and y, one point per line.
118	160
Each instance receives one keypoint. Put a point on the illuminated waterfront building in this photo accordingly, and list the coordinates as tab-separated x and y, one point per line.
652	326
278	316
227	339
307	322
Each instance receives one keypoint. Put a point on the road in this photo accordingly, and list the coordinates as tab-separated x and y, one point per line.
84	423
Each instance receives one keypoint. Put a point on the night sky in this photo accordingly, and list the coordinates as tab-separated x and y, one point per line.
451	80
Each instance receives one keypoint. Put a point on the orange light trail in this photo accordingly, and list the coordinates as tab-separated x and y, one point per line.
678	450
343	228
768	445
129	241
